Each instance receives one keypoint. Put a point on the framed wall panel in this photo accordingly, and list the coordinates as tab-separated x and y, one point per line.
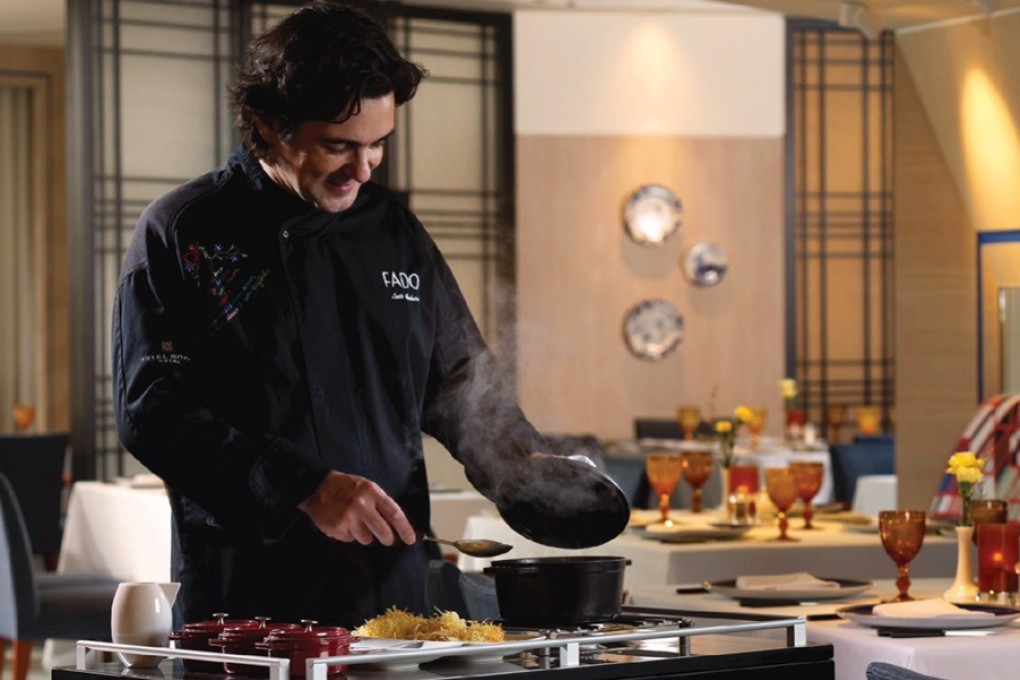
839	235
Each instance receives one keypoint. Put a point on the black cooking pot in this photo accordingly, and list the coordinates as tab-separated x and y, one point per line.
557	591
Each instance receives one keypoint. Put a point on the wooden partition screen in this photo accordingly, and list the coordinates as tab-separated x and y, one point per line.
840	221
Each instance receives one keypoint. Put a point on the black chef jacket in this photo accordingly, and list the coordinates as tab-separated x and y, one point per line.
258	344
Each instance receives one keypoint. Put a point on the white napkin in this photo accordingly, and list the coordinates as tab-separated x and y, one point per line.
800	580
924	609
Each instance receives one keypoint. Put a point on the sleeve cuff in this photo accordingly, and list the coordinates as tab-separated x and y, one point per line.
281	478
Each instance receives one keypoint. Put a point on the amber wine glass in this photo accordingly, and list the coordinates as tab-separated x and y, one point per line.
756	424
987	511
663	470
697	466
835	417
902	536
809	483
689	417
24	414
781	486
869	420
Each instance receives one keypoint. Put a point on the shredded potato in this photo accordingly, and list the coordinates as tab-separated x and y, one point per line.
402	625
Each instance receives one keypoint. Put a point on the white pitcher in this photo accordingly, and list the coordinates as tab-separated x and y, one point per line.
141	616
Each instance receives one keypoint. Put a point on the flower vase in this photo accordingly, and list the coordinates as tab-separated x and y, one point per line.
726	506
963	590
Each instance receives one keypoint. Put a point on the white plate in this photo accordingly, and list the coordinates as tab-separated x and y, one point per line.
396	648
861	615
847	587
653	329
685	533
497	654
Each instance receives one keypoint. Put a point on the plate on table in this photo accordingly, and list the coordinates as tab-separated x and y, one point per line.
862	615
496	654
397	648
644	518
847	587
686	533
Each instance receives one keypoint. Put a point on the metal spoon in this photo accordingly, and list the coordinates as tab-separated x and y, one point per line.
476	547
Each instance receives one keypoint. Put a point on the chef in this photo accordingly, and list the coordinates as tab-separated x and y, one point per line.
284	331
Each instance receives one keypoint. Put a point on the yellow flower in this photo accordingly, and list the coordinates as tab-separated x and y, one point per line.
963	459
788	388
967	468
743	414
969	475
723	426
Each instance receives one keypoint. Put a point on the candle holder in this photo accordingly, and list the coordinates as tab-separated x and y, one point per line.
998	553
741	488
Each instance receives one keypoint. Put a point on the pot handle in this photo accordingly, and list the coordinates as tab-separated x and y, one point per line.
515	570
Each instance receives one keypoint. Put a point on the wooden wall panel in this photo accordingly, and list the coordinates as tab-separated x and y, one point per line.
936	302
578	274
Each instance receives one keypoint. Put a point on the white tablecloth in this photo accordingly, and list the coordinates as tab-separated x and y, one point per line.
994	657
117	531
830	550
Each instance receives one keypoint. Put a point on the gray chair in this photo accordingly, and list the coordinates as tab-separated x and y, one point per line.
34	465
878	670
38	606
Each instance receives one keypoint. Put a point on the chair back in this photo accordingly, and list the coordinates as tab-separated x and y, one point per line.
34	465
850	461
18	598
657	428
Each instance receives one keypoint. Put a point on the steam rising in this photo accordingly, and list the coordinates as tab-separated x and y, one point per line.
541	492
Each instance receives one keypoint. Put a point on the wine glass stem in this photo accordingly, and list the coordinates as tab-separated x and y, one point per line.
809	512
903	582
664	506
696	500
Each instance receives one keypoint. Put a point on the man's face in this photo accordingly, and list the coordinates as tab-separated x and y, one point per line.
324	163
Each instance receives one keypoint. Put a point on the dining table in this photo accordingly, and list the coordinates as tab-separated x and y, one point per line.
700	550
991	653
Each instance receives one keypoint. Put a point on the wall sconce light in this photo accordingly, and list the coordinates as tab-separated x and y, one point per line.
651	214
858	15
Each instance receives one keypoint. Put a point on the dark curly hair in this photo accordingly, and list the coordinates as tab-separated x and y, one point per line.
318	64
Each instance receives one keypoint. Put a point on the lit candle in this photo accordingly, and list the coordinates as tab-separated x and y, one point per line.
998	553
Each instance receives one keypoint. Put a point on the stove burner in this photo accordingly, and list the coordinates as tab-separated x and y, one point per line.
618	624
598	652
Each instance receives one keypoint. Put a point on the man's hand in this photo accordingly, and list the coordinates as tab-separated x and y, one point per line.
351	508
